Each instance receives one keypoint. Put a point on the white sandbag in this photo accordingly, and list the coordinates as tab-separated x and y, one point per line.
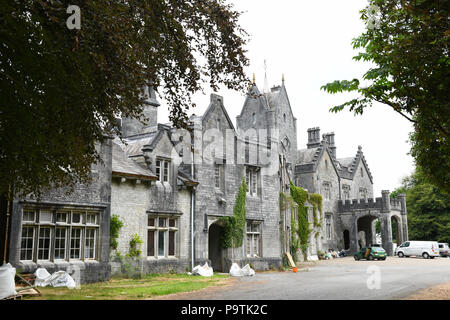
7	284
57	279
313	258
204	270
247	271
236	271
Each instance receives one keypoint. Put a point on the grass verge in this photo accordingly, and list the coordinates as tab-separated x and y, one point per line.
151	285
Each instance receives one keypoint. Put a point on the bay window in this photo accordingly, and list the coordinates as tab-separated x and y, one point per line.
53	235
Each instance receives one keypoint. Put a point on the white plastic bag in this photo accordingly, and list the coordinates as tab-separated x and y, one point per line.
7	284
236	271
204	270
57	279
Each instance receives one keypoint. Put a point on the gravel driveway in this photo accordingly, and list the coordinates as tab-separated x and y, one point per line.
344	278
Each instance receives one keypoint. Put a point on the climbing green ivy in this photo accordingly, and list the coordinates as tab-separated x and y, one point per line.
114	227
295	242
234	226
135	247
316	200
299	195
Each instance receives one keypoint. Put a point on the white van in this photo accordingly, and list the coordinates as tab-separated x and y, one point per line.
444	250
426	249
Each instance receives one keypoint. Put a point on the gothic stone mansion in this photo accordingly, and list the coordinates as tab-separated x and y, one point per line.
172	188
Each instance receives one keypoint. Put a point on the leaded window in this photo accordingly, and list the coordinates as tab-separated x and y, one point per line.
252	179
54	235
253	239
162	233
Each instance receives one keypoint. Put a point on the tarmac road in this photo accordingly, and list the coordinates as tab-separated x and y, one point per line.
341	278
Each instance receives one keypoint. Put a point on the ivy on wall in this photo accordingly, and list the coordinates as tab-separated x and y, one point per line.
299	196
114	227
234	226
135	247
316	200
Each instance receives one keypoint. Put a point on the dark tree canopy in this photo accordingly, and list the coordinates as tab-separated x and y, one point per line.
407	41
61	88
428	208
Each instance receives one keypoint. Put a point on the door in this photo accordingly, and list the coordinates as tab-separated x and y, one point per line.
215	251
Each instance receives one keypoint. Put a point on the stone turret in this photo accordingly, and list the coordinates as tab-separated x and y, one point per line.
386	201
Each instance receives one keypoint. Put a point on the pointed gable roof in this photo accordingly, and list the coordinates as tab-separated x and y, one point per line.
254	96
349	165
308	159
275	95
216	100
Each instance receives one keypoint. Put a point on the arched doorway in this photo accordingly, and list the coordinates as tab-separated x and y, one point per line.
346	239
396	230
215	251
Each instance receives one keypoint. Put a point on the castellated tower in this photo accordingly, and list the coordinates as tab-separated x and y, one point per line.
131	126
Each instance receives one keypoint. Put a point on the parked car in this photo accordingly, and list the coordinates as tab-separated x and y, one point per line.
444	250
426	249
371	253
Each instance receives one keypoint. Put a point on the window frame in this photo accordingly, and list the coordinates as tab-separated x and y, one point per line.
163	169
218	173
61	220
165	230
255	236
252	179
329	226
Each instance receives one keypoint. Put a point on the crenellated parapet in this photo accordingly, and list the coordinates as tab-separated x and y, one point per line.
384	204
360	204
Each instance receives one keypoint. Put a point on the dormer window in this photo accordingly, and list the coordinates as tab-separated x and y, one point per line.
362	172
284	117
218	124
254	118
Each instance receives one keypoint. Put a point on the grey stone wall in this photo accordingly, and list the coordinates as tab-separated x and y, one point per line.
95	195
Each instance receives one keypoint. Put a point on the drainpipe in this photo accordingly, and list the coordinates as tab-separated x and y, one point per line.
192	206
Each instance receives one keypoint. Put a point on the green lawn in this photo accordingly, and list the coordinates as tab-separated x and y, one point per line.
149	286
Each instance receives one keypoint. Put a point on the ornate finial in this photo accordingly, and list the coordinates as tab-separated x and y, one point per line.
282	78
359	148
254	78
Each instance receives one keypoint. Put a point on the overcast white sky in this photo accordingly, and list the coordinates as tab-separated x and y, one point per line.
310	42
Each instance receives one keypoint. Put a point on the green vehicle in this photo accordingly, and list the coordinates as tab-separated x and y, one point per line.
371	253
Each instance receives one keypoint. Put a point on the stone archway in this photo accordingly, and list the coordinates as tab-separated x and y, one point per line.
365	226
396	229
215	251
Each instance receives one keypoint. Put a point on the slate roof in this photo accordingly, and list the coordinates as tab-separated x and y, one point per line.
122	165
308	159
306	155
186	178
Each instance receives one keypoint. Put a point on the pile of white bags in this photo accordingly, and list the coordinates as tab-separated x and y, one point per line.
7	284
204	270
57	279
236	271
